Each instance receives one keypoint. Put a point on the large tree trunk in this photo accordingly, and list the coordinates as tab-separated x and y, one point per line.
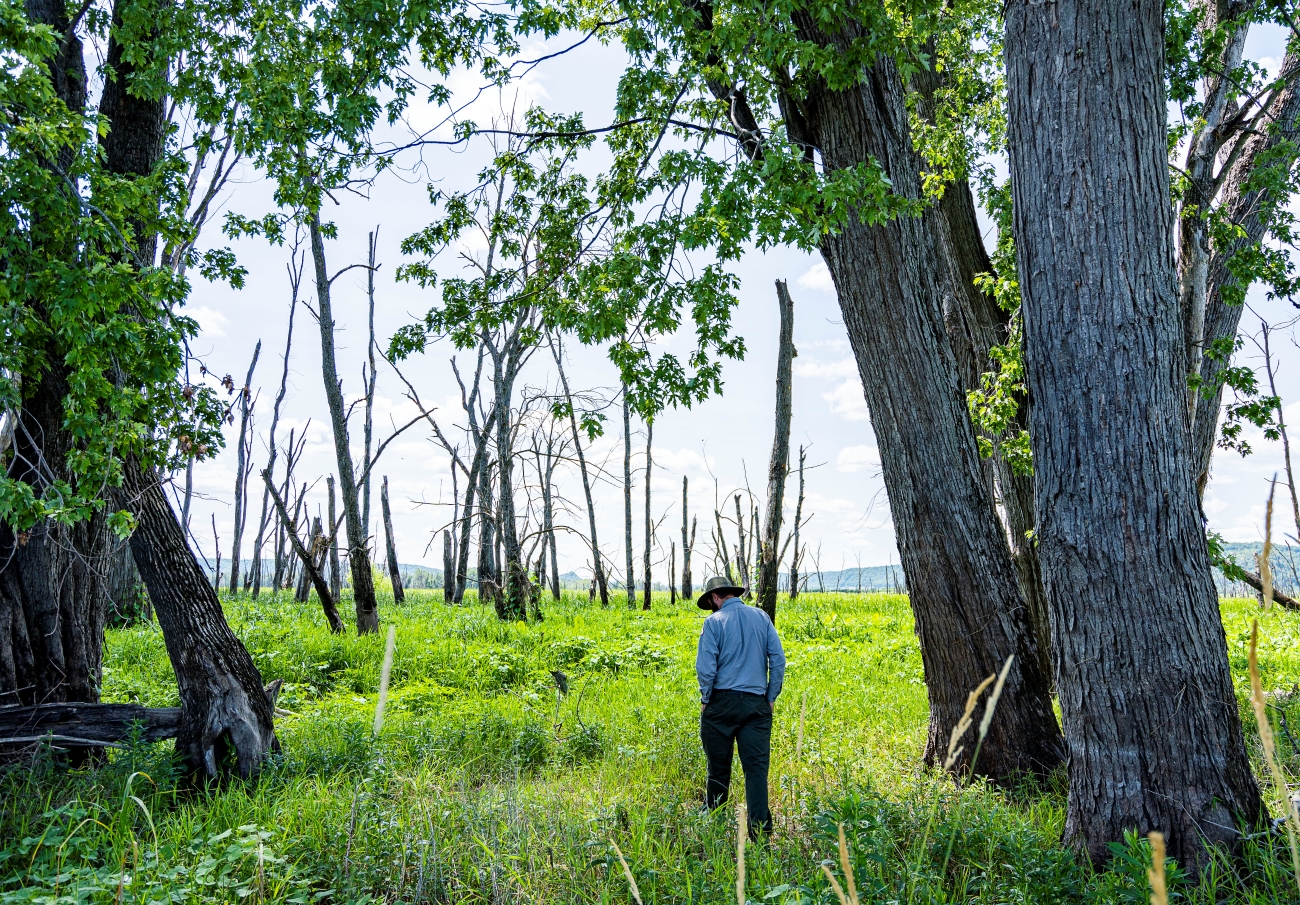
363	584
515	584
779	465
965	595
1151	720
224	708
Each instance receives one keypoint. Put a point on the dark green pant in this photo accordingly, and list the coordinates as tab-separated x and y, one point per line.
745	721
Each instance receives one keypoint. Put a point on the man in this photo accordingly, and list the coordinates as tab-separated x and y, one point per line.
740	667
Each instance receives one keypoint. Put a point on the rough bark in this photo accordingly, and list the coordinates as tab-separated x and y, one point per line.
390	547
79	725
1151	720
224	709
892	280
598	569
363	586
242	466
515	585
779	464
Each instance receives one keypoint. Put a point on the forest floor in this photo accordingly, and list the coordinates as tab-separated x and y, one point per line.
486	785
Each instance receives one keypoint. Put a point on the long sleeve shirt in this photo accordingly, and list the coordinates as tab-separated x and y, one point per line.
739	651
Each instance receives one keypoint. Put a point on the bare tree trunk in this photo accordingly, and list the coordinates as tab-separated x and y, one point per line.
1141	659
295	277
188	496
548	517
779	465
627	501
798	523
448	567
723	554
598	568
370	376
477	468
742	560
313	570
394	572
516	586
335	571
489	585
242	466
672	573
363	588
649	527
224	708
688	541
216	569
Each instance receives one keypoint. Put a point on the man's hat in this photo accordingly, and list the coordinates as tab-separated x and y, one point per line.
716	583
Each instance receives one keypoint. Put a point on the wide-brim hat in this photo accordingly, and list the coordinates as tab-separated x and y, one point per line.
716	583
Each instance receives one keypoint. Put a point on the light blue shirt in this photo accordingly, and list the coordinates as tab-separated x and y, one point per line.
739	651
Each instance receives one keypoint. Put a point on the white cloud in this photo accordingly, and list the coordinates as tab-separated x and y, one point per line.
856	458
847	402
211	321
818	279
836	370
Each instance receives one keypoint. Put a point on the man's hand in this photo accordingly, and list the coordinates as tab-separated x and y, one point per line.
771	706
703	705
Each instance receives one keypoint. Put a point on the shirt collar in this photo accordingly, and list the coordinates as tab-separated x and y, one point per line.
729	601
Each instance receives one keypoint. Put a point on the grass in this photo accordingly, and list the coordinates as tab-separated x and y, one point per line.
487	785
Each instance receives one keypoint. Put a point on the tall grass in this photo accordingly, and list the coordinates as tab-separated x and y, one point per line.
489	785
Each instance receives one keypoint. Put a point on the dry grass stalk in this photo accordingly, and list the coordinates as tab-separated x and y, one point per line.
627	872
993	698
1156	872
848	868
835	885
742	833
1261	559
1260	707
384	674
963	725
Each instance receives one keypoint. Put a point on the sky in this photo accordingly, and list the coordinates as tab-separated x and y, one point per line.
721	445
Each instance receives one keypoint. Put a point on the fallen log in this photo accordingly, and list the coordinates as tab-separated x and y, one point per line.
1253	579
86	725
75	725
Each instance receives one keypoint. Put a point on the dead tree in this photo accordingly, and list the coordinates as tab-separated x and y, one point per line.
295	281
448	567
243	465
627	501
597	567
742	558
368	376
335	571
649	528
688	542
216	571
672	573
394	571
322	588
722	554
797	556
363	587
779	465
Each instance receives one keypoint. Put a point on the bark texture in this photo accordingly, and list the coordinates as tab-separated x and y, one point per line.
892	280
1151	720
225	712
779	465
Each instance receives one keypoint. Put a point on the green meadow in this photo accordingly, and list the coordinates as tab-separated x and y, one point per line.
488	784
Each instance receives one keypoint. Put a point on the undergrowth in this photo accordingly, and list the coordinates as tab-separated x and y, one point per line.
489	784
